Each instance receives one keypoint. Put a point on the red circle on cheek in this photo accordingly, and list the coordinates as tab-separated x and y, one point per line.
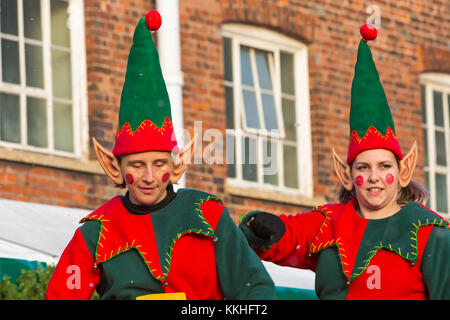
389	178
129	178
359	180
165	177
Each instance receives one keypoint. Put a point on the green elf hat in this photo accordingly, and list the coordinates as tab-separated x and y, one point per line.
371	123
145	119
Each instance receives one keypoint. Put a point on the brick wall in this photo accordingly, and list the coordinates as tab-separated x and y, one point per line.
413	39
34	183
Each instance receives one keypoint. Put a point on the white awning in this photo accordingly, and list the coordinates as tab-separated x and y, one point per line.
33	231
290	277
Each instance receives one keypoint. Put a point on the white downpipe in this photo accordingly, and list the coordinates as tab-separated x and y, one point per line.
169	48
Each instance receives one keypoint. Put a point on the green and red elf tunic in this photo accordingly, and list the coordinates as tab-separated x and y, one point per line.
187	244
404	256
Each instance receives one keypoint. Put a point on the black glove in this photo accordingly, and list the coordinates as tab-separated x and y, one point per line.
267	226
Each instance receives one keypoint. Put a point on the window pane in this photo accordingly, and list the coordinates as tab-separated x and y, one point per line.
270	162
61	74
8	16
289	119
231	155
251	110
249	170
423	102
229	102
287	73
37	122
290	166
270	114
60	32
262	64
10	61
425	146
32	19
9	118
63	127
438	108
33	66
246	67
227	59
448	104
440	148
441	193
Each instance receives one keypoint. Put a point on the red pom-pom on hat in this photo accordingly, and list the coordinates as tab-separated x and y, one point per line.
153	20
368	32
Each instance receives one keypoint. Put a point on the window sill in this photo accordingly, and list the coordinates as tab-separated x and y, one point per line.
29	157
273	195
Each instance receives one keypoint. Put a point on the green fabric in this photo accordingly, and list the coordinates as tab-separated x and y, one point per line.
331	283
369	106
173	220
144	94
435	264
396	233
136	281
242	274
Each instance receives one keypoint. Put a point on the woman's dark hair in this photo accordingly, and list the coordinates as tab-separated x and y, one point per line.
413	192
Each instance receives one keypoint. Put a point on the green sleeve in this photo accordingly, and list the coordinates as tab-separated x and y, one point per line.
436	264
241	273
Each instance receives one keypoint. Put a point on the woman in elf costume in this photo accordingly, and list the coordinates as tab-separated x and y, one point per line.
154	243
379	242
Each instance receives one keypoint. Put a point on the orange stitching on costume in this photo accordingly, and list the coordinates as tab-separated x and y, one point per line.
329	243
120	249
372	131
146	123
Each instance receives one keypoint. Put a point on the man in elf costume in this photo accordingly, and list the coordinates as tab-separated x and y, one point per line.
380	243
154	243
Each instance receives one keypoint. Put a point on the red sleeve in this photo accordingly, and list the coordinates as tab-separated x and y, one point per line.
75	277
293	248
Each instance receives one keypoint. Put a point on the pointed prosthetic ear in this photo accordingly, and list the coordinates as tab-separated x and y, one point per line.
407	166
184	157
342	170
109	162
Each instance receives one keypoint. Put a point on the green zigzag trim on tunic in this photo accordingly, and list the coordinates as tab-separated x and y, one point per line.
144	94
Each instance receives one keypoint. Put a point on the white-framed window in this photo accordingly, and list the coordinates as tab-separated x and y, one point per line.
43	105
435	95
267	110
